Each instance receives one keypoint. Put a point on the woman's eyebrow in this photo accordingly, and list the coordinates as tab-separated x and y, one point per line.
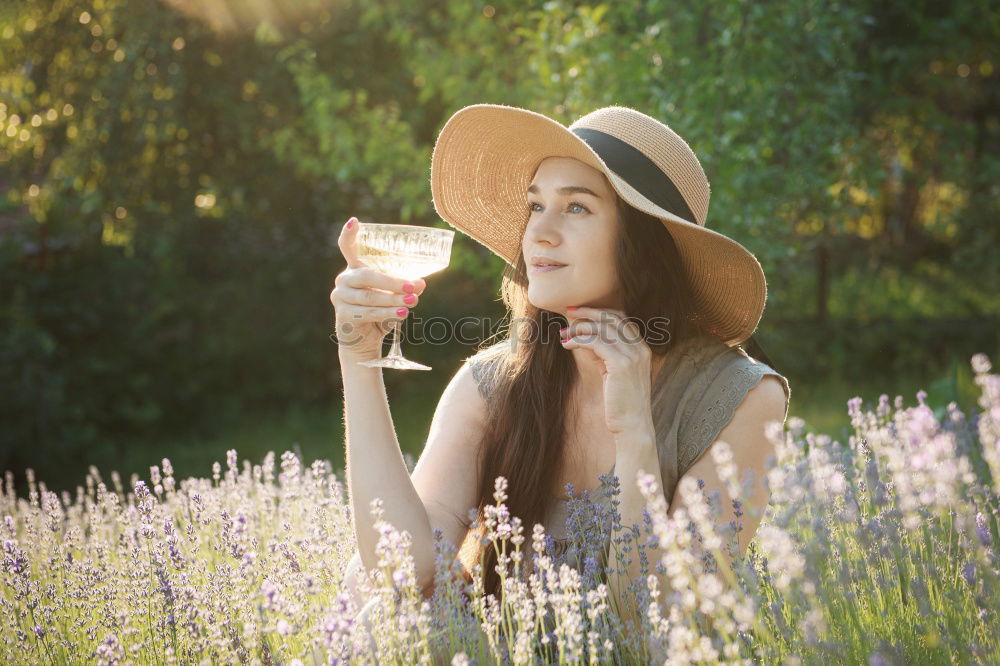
569	189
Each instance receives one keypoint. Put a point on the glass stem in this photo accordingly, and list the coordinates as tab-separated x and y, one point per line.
394	350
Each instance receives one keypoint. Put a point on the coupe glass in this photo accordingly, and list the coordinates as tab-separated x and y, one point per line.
408	252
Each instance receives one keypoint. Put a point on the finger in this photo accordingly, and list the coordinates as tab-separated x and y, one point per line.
364	277
614	322
348	247
596	314
348	243
610	329
373	298
359	314
612	355
604	355
580	327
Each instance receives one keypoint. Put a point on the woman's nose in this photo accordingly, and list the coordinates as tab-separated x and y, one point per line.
541	227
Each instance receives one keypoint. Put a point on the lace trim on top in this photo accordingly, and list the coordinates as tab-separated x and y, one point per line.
484	369
709	415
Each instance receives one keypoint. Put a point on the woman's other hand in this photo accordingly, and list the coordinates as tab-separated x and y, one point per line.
367	302
616	346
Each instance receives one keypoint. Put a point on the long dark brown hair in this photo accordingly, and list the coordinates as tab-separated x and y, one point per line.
526	421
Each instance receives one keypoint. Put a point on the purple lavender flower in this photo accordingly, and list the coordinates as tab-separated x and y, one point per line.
15	560
876	659
110	651
982	530
854	409
270	593
969	573
981	364
883	406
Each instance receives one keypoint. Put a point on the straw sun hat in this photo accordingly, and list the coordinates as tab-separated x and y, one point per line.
486	156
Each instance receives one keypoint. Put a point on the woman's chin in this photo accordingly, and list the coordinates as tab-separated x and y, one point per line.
556	307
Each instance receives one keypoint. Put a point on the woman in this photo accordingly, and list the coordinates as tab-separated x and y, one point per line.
602	227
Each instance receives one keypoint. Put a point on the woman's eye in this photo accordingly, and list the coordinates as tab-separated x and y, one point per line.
573	204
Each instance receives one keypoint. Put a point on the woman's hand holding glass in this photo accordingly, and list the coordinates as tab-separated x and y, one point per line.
367	302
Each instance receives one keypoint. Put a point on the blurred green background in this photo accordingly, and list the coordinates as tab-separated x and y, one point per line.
174	175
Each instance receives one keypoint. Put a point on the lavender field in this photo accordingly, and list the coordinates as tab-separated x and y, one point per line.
879	550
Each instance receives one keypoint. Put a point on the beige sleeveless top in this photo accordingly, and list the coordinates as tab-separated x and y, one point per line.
694	396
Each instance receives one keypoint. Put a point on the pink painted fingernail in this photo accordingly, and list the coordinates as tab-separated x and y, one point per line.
563	330
408	287
409	299
402	312
565	340
572	307
350	222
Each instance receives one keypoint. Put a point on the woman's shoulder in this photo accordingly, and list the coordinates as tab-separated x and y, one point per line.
488	355
691	357
719	367
721	380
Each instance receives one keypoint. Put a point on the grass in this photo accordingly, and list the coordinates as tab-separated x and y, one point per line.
823	406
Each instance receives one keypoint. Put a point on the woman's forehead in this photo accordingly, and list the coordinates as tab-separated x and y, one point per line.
558	172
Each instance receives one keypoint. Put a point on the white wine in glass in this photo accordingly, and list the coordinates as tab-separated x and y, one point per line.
404	251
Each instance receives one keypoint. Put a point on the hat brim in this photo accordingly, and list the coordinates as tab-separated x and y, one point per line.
483	162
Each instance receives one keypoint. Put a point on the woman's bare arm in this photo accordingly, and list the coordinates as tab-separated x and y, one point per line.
444	482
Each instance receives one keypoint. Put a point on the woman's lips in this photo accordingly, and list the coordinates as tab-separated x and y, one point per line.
545	269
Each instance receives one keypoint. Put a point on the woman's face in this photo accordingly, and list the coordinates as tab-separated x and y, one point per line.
572	220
